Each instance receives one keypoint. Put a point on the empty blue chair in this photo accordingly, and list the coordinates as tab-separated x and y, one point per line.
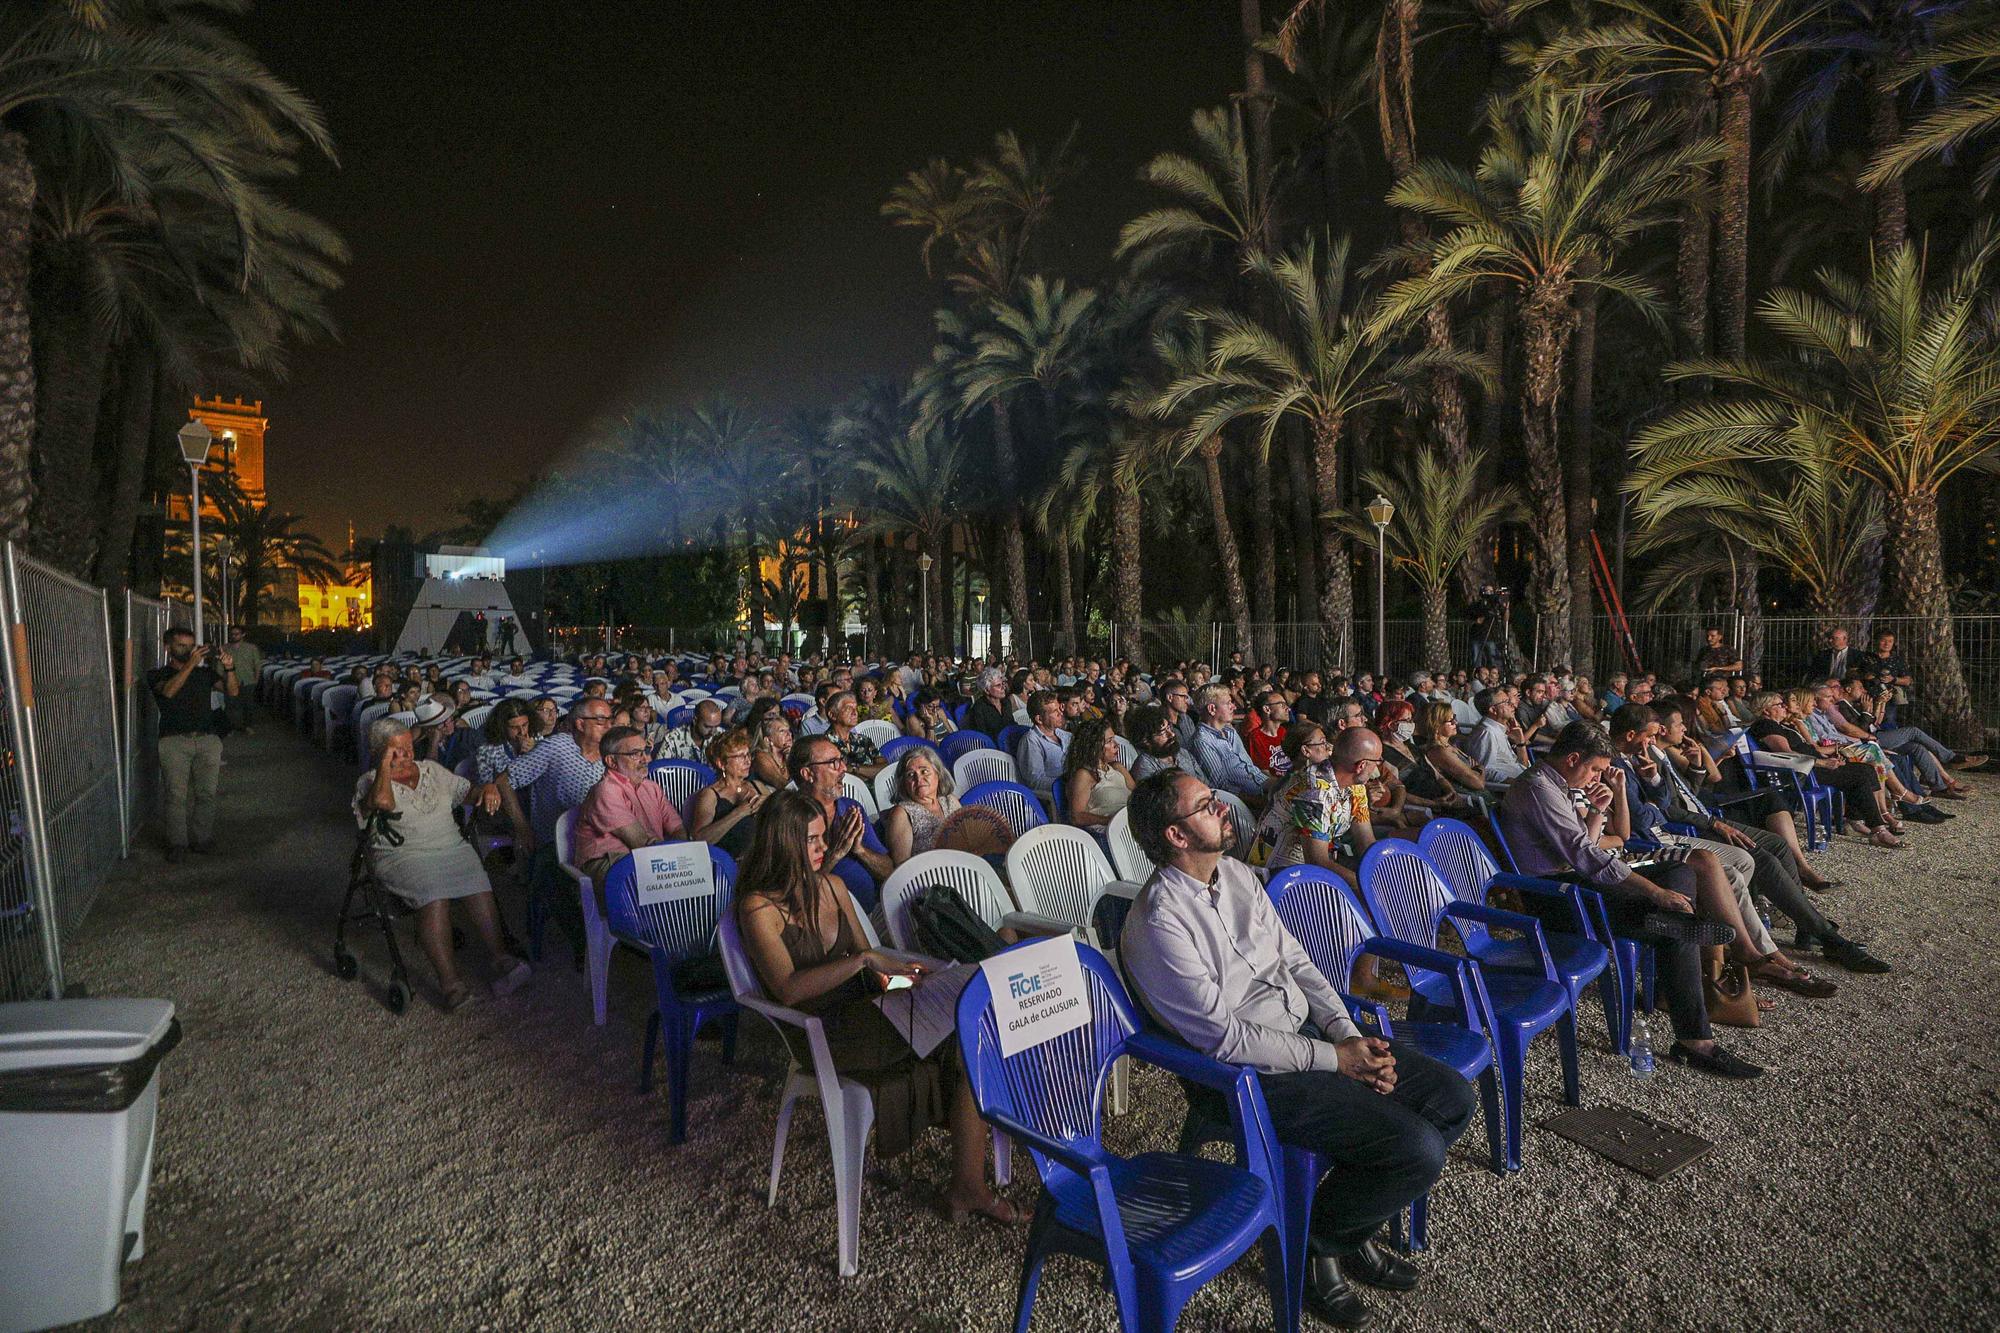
1327	920
959	742
1161	1225
680	779
894	749
1408	900
1011	799
1581	956
673	933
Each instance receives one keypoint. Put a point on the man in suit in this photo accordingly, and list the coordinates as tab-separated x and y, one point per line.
1834	661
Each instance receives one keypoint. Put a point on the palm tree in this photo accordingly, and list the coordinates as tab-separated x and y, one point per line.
740	470
913	482
1902	377
1320	362
258	543
1970	116
152	91
1444	512
1541	221
869	423
1808	517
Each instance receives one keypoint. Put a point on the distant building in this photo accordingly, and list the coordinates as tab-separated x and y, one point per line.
239	448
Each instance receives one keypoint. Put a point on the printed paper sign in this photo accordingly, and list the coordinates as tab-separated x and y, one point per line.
671	872
1038	993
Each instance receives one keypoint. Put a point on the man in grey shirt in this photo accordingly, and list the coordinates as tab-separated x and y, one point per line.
1211	961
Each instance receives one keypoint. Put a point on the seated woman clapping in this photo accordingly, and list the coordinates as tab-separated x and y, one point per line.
724	812
804	938
416	851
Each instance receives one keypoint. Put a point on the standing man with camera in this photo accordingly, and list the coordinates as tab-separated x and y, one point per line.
190	743
249	660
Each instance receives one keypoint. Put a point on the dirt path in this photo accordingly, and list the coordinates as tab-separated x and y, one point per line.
325	1164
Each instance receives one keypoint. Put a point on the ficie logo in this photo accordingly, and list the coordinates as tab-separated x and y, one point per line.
1020	984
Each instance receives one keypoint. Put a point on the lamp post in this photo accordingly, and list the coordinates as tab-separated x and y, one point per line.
1380	511
924	563
196	438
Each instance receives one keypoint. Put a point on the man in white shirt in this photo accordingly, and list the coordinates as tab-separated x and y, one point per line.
517	677
481	675
1496	744
1211	961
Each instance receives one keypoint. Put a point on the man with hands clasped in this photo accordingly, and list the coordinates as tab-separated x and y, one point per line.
1209	958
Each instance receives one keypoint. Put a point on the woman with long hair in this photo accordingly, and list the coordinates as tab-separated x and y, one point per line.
770	757
1446	775
804	937
1096	784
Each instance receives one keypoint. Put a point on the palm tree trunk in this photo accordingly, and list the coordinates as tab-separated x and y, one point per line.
1546	325
1065	630
70	359
1437	644
871	597
1305	560
1225	542
1263	559
1256	91
1581	503
1477	571
1885	127
758	608
1126	591
1013	544
1750	605
17	364
994	581
114	542
1694	256
1732	222
1917	590
939	638
1336	589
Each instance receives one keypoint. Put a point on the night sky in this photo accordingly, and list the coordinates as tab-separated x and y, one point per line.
558	209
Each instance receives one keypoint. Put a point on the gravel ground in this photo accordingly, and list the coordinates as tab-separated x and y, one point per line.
323	1163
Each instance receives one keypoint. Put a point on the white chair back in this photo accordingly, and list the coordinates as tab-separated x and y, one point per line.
1130	862
855	786
1058	871
1241	820
885	785
878	731
973	876
977	766
1128	753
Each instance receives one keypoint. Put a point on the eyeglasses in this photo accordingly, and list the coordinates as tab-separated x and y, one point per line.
623	754
1212	806
839	761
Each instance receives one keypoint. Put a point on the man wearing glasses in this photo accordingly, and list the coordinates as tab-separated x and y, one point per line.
625	811
1210	959
853	851
557	774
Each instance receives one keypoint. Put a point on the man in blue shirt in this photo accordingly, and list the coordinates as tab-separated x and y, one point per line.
1040	752
1219	749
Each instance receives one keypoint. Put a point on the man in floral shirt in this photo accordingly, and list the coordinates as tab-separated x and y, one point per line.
1324	803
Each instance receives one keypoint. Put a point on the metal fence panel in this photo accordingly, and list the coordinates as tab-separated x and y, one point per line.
146	622
30	966
73	719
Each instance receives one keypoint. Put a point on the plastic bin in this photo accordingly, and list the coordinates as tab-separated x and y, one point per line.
79	1093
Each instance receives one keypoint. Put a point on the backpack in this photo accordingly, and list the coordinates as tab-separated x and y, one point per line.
947	928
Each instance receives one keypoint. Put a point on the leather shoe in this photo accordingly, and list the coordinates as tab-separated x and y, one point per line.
1714	1061
1851	956
1379	1266
1332	1297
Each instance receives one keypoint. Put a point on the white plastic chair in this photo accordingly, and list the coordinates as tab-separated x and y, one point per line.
977	766
878	731
1059	872
1128	753
854	785
596	931
976	881
885	785
1126	857
848	1104
475	718
1241	820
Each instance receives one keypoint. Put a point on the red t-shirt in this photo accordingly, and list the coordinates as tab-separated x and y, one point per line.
1262	747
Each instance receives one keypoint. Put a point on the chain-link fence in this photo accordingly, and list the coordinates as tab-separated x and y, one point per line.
146	622
64	709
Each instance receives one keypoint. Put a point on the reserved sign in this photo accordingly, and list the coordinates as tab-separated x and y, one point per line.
1039	993
671	872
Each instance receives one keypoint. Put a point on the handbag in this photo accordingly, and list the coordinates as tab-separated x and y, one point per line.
1726	989
948	928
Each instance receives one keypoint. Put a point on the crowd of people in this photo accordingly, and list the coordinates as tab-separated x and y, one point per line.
1646	790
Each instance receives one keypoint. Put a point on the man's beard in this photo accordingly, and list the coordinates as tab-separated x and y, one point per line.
1165	749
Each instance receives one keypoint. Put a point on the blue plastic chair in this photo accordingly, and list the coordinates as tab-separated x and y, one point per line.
958	712
1019	805
1059	798
671	933
1161	1225
1010	733
894	749
680	779
1328	921
1408	900
961	742
678	715
1824	806
1581	956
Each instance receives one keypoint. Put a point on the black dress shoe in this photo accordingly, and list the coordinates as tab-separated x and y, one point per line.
1332	1297
1851	956
1379	1266
1924	814
1686	928
1714	1061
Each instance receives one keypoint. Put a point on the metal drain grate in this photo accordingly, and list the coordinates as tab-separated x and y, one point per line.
1630	1139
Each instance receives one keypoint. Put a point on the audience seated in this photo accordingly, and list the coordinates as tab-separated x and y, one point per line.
1497	745
924	800
1096	784
625	811
1218	751
725	811
690	740
843	711
1040	752
817	767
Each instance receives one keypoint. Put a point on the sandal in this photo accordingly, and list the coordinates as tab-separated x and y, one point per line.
1881	837
513	979
1792	977
999	1211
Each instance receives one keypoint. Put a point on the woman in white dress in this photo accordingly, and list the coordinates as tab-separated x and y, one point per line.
1095	784
417	853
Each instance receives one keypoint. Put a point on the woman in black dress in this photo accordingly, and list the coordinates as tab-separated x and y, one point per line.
806	942
1860	785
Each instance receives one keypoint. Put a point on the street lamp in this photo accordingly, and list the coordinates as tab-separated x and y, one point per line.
924	563
1380	511
196	439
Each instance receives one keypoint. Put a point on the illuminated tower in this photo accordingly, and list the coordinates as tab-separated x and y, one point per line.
239	447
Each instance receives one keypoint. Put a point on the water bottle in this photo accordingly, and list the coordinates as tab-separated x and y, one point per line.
1642	1045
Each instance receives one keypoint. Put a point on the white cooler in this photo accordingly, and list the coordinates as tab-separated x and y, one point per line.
79	1092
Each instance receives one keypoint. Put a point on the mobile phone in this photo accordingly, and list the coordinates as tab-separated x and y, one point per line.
890	983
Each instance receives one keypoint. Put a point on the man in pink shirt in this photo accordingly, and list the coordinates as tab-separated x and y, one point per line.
626	810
